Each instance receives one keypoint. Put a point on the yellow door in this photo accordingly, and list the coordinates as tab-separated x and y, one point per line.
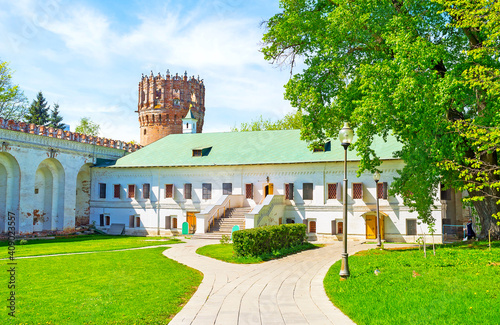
191	220
268	189
371	226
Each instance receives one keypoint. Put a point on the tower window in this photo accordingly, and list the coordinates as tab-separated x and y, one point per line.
144	131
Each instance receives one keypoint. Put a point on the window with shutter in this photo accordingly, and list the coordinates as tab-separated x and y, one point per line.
411	226
131	191
206	191
116	191
249	191
308	191
332	191
382	190
169	190
446	194
102	190
188	194
227	188
145	191
289	191
357	190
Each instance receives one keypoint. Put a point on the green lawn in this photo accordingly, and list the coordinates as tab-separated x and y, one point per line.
90	243
126	287
460	285
225	252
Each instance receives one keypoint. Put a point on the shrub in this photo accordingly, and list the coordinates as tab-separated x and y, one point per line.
225	239
265	240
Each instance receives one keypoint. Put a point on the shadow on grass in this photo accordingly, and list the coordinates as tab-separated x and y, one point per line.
78	238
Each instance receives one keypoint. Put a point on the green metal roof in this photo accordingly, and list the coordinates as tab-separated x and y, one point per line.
242	148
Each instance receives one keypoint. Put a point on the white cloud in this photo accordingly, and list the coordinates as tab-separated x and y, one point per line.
87	58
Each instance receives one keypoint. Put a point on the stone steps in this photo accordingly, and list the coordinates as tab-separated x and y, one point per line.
233	217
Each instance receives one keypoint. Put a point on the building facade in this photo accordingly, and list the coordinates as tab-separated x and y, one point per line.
186	177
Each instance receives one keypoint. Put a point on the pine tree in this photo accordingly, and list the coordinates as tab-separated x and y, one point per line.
55	119
38	112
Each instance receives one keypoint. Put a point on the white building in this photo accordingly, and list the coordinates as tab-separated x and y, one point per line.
193	177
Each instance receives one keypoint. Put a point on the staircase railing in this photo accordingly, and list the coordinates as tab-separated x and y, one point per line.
218	212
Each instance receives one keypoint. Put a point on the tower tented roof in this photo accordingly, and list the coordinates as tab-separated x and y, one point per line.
189	115
243	148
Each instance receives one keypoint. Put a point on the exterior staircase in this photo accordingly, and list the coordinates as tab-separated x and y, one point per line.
225	224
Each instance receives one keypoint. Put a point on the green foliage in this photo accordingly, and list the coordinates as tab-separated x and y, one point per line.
88	127
480	21
406	68
226	253
479	176
38	112
463	280
55	120
225	239
263	240
12	100
104	288
290	121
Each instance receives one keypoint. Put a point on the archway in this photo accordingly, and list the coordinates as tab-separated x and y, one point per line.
82	202
9	190
48	209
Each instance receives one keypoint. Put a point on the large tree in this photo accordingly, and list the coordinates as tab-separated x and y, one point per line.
12	99
38	112
408	68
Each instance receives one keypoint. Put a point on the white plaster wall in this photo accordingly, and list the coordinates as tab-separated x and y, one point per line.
28	151
320	208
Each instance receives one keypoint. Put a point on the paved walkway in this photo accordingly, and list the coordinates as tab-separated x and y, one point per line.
284	291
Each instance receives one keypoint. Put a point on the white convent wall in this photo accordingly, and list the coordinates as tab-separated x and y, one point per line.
41	182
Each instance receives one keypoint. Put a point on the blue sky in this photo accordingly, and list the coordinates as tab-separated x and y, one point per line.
88	56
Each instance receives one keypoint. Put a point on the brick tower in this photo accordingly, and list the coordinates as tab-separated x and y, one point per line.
164	102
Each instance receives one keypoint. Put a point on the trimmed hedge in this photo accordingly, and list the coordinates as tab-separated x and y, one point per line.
263	240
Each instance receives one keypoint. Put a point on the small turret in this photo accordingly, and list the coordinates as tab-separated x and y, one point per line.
189	122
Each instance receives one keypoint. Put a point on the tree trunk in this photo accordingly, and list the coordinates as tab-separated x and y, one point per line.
485	210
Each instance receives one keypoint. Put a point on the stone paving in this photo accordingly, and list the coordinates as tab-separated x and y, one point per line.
284	291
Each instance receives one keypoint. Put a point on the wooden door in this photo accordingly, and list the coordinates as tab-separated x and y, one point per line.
371	226
312	227
268	189
191	220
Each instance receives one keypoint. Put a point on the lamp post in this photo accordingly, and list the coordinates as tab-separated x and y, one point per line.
345	136
376	178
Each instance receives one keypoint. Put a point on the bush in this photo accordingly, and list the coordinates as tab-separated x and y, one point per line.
265	240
